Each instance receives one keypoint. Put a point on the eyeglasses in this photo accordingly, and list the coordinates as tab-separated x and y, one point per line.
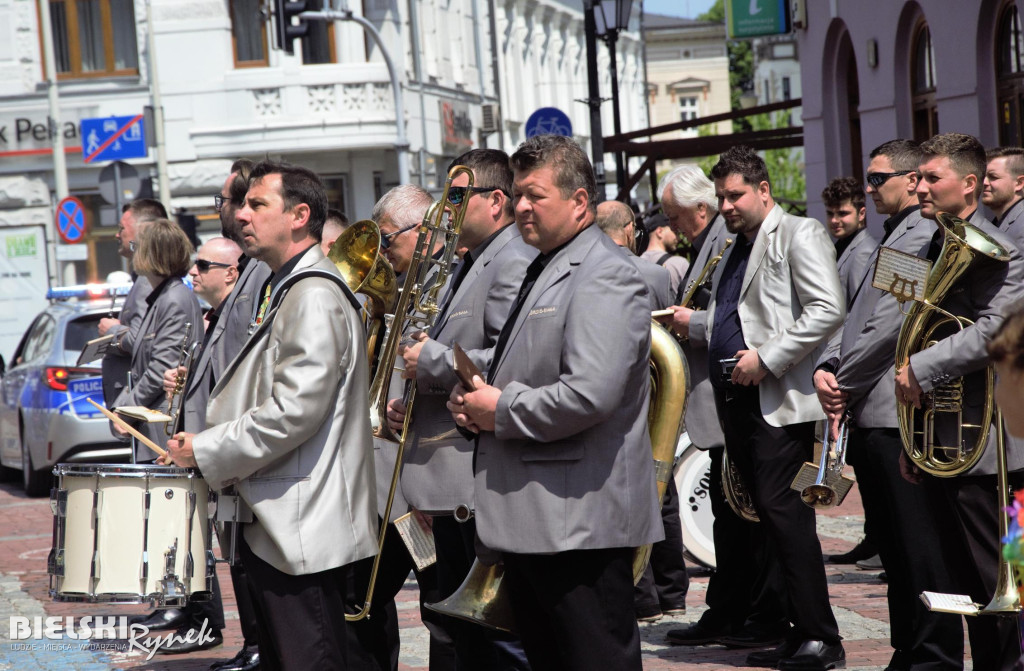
385	240
203	265
877	179
457	194
218	202
636	230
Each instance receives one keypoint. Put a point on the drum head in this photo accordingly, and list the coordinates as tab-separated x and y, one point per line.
693	480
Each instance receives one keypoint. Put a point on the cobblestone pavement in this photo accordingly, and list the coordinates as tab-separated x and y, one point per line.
858	599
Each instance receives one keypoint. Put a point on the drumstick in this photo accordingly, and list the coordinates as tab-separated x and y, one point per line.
128	427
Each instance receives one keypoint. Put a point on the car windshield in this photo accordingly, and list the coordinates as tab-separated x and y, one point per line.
80	331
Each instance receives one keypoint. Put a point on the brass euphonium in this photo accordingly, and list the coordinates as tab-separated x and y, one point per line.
480	598
417	307
926	324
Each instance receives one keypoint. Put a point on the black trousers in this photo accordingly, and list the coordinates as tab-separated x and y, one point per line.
301	618
211	612
908	536
476	647
246	609
665	582
745	591
970	533
574	609
377	636
768	458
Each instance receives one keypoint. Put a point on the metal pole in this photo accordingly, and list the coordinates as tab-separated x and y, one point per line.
620	172
594	97
401	143
158	112
60	166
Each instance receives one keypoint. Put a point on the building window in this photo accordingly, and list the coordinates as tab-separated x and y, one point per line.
787	93
248	34
1009	56
688	108
922	85
318	44
94	38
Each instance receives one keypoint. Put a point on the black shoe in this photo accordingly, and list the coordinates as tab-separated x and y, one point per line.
695	634
861	551
770	658
815	656
163	620
870	564
754	637
247	659
191	639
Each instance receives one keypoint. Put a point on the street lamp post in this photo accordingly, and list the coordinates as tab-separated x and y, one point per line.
611	17
594	97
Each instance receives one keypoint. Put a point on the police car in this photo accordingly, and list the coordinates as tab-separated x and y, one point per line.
45	417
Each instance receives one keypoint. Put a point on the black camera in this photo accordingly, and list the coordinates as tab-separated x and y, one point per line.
727	367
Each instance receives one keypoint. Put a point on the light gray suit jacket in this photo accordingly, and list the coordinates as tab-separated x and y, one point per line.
157	348
702	424
289	427
117	360
569	464
790	303
225	342
853	261
983	294
1012	224
437	474
865	346
657	278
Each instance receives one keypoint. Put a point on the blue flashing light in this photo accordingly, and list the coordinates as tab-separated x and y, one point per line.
87	291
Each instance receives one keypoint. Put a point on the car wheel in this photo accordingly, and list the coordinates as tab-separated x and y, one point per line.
36	483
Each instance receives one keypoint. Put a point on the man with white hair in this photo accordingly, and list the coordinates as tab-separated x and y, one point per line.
745	608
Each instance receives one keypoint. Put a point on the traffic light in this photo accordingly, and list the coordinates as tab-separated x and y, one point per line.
284	31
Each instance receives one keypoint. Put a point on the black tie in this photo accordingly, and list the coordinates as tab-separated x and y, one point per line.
532	273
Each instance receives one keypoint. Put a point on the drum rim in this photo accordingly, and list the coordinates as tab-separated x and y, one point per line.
693	550
123	470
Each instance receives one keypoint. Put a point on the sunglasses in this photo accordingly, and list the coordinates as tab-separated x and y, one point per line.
203	265
457	194
877	179
385	240
218	202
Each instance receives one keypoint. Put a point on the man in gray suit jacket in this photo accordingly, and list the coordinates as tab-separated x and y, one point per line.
951	172
745	607
847	223
776	300
437	474
618	222
289	427
117	360
1003	191
854	376
565	485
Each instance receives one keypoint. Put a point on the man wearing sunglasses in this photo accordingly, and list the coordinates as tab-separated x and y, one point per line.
438	473
398	214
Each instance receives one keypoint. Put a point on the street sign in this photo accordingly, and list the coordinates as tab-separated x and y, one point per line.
754	18
70	220
119	183
548	121
113	138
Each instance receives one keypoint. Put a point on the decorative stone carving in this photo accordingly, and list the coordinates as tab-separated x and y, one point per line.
381	98
21	191
268	102
322	99
353	98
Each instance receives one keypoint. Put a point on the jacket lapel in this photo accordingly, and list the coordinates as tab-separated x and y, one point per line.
765	235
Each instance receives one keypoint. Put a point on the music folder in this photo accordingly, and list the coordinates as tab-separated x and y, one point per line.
95	349
465	369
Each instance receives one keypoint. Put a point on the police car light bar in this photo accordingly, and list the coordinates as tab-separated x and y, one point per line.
87	291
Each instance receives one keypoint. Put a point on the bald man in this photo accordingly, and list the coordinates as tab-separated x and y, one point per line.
618	222
215	271
334	226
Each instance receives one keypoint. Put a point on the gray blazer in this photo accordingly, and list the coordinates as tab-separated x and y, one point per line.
866	344
853	261
117	360
790	303
225	342
1013	223
983	295
702	424
289	427
157	348
657	278
569	464
437	474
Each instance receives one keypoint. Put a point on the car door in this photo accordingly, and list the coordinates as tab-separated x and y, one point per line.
11	387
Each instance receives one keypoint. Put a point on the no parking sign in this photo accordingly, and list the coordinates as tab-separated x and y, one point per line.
70	220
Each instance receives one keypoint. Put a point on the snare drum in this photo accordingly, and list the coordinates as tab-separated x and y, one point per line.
130	533
693	480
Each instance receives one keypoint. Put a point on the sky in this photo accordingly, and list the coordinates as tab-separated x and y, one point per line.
685	8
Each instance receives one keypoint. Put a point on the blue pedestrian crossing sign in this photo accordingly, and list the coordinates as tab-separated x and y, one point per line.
70	220
113	138
548	121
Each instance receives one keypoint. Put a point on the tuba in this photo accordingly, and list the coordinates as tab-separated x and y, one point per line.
417	306
480	598
926	324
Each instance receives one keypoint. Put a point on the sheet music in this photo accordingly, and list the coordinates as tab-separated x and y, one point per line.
960	604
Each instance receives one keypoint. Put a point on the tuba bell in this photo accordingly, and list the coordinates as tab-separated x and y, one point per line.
924	325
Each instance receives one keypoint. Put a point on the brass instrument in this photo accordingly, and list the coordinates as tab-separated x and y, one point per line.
417	306
824	485
356	255
1006	598
926	324
704	279
480	598
176	401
